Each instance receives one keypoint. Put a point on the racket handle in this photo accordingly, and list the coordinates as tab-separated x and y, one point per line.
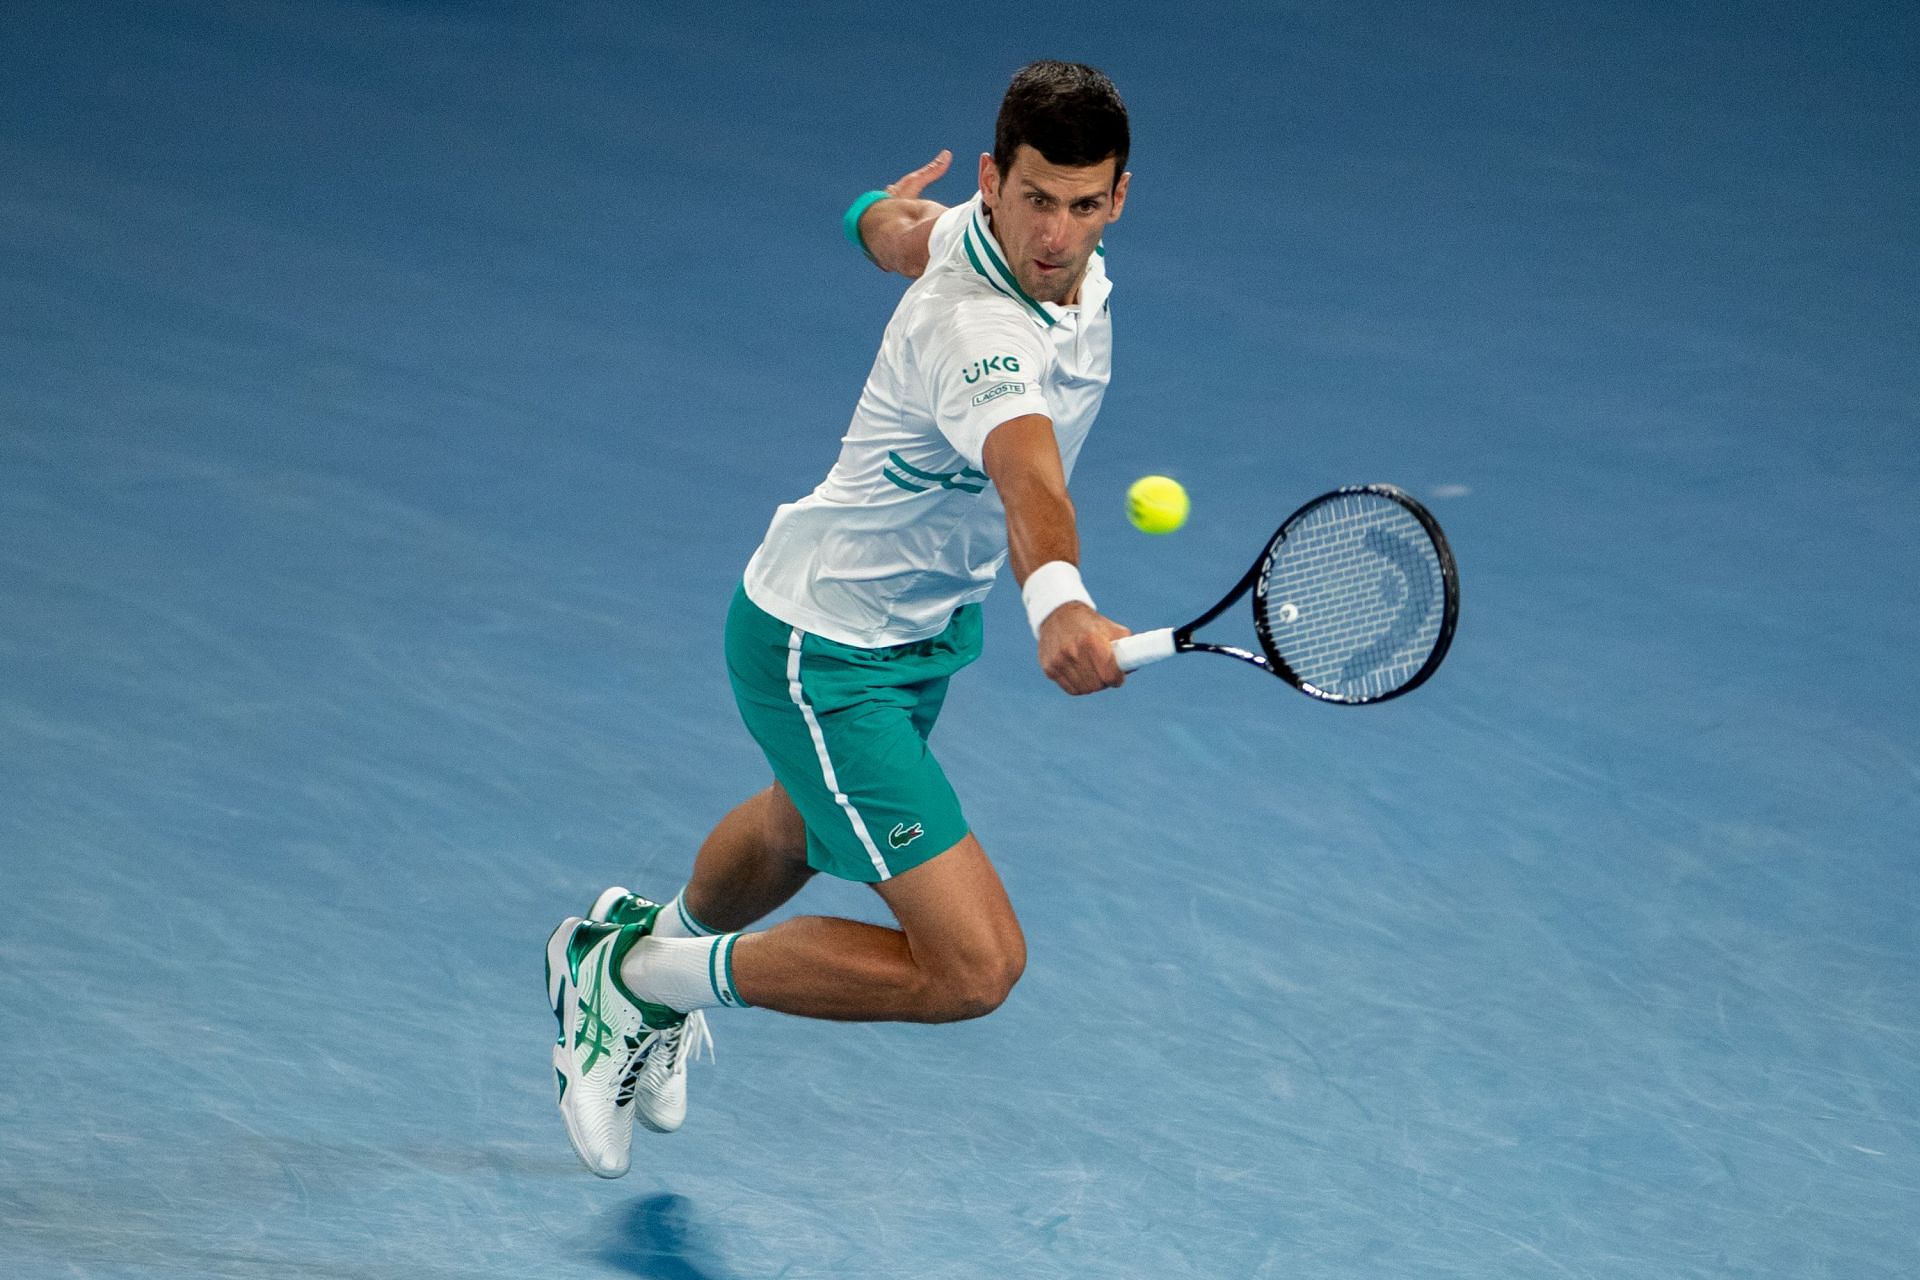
1135	652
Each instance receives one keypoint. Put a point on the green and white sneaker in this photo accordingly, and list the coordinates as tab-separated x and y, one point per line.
618	905
607	1037
660	1085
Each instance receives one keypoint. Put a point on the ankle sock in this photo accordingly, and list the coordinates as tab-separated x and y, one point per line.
675	921
683	973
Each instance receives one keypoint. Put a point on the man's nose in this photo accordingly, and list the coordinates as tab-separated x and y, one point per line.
1055	233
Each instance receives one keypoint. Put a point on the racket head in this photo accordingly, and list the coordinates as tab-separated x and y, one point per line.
1357	596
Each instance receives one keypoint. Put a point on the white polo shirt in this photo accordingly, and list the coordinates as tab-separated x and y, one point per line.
907	527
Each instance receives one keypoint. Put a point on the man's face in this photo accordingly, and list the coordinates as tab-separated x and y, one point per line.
1049	218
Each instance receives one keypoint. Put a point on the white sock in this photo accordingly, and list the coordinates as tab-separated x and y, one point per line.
683	973
675	921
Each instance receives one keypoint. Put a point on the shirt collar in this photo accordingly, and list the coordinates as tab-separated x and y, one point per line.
1095	288
984	256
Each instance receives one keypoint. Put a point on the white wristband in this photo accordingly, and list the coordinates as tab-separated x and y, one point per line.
1047	588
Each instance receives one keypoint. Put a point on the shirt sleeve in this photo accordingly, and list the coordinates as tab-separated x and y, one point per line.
946	231
984	369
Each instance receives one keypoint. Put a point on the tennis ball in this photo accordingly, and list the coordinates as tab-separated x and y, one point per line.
1157	504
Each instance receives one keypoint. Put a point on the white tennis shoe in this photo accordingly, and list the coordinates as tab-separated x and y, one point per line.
661	1087
660	1084
609	1037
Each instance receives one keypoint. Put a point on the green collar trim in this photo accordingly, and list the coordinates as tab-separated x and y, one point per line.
984	255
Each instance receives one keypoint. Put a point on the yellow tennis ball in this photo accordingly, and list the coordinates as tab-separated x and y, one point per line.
1157	504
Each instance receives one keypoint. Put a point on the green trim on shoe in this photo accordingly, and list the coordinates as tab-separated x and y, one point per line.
586	936
625	913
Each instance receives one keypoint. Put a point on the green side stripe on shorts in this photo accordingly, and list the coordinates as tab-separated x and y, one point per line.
796	691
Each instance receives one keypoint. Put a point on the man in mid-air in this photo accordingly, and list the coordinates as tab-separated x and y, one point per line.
858	607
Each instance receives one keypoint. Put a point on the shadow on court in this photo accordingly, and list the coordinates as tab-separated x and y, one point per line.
659	1238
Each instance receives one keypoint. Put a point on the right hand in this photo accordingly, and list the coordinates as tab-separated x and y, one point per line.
1076	649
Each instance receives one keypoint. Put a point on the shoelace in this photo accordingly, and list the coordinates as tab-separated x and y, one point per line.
686	1042
682	1043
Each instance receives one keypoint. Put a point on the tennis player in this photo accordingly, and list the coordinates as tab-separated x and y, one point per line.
856	610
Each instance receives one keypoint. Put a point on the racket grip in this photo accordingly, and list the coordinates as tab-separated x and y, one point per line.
1135	652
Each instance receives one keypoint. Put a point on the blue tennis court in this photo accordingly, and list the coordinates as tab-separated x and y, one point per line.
391	394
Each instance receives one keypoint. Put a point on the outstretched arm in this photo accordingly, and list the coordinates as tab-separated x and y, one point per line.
1023	459
895	231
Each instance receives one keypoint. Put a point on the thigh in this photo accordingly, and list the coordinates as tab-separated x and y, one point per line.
873	778
955	912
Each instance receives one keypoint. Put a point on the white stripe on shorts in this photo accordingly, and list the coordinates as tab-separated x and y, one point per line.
794	691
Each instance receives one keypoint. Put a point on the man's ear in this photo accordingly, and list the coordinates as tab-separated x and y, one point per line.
989	179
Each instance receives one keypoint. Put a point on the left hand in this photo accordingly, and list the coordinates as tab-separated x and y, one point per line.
896	231
910	186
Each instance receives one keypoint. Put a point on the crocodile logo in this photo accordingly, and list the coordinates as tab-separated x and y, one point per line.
903	835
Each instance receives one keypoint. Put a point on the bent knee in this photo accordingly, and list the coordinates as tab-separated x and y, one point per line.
979	988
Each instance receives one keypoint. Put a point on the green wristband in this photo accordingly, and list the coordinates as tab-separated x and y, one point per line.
851	223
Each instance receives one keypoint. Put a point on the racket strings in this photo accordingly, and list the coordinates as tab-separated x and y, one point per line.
1353	599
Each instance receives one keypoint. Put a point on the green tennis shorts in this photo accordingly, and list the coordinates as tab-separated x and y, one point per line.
845	730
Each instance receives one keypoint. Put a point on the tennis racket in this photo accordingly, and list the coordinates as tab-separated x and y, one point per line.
1354	600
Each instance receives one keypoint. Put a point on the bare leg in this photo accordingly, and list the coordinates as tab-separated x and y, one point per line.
754	861
957	953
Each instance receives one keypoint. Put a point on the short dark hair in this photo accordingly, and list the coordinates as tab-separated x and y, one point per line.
1068	112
